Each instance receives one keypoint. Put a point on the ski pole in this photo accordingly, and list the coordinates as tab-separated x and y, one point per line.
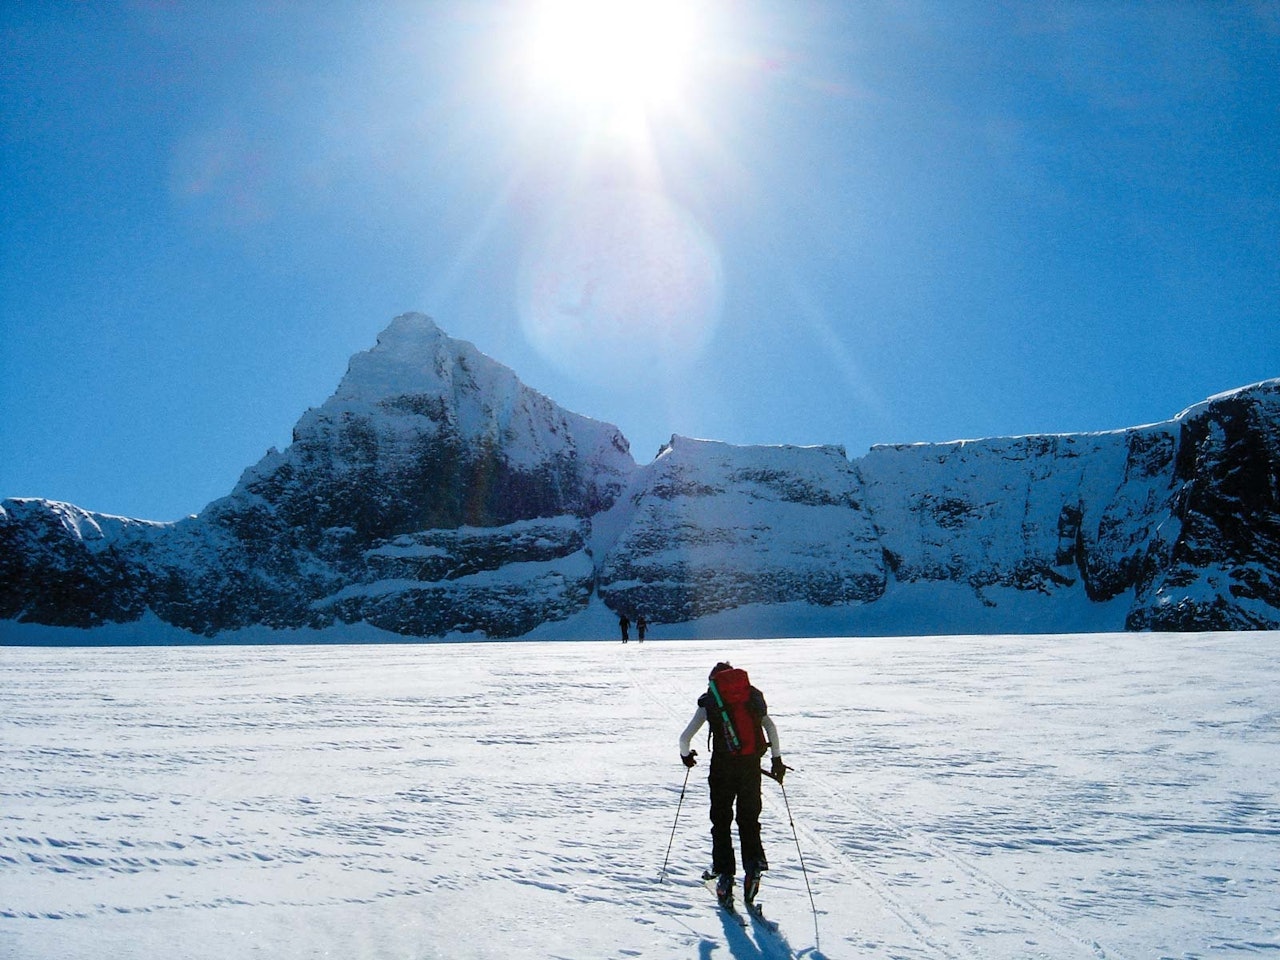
812	906
663	875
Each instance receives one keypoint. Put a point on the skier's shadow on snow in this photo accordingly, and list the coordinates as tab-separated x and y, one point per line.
744	944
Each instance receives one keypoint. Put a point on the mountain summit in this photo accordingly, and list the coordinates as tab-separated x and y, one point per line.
412	356
426	432
436	495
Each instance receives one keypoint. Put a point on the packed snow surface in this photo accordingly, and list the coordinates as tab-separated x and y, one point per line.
1085	796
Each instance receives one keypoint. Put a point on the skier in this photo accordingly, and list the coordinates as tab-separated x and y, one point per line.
625	626
641	625
739	719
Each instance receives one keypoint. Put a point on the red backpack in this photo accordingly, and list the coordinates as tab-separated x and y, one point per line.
731	694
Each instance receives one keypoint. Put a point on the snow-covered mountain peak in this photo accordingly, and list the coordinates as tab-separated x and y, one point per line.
412	324
414	356
426	381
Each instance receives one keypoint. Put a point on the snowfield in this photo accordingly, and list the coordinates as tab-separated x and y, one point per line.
1084	796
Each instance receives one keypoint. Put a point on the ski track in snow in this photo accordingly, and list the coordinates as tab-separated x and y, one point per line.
1109	796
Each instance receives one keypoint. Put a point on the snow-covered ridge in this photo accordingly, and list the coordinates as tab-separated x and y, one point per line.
96	529
435	494
1265	388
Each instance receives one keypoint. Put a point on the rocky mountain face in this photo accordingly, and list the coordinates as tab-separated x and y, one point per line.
427	448
712	527
435	495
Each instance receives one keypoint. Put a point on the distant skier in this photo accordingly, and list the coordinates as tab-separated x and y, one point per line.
625	626
739	720
641	625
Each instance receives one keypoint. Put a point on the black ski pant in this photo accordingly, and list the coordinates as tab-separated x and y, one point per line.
735	782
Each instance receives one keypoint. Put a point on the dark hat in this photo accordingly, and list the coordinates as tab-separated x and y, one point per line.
722	665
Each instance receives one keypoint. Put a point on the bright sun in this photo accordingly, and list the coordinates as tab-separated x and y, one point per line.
619	280
615	55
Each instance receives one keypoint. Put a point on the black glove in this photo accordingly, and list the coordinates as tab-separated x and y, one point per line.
687	758
778	769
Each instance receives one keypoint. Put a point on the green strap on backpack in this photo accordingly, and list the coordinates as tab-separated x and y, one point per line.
730	732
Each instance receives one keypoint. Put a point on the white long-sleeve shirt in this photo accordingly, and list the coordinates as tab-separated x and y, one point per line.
700	717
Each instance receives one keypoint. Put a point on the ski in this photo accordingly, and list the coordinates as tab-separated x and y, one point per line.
727	907
757	914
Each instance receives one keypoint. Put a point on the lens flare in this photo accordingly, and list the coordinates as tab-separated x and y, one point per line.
623	284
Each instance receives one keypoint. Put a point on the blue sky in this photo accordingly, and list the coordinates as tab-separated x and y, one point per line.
857	222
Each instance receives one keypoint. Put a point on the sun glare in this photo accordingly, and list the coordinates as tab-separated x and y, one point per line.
616	55
619	282
622	284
